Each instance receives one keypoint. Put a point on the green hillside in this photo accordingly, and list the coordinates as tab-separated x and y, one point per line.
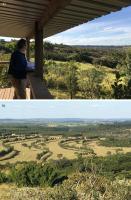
92	81
80	72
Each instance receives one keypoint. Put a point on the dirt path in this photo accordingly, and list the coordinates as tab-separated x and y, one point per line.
56	149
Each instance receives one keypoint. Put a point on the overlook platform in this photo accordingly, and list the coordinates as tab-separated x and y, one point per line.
37	88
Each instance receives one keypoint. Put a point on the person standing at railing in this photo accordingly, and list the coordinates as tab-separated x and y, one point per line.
17	70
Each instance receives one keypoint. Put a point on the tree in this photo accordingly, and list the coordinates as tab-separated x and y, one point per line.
59	156
128	63
89	83
127	90
48	46
117	87
3	178
71	79
120	90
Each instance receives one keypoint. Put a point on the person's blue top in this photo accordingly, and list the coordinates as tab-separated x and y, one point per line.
18	65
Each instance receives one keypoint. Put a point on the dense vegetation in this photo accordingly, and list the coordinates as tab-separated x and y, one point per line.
116	142
80	72
79	186
55	173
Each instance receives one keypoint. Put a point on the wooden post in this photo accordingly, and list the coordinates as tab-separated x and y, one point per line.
39	50
28	49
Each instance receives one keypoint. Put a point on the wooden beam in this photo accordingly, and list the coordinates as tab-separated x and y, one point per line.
39	50
28	49
53	8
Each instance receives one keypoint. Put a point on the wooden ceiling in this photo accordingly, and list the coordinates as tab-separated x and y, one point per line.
18	17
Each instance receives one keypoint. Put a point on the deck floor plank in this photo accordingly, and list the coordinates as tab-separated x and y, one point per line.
2	93
8	93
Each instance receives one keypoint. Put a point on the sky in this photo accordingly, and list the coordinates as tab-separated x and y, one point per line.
97	109
112	29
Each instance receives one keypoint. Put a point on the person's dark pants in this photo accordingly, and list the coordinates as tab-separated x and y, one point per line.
20	88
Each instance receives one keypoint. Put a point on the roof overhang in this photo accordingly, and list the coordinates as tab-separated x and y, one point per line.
18	17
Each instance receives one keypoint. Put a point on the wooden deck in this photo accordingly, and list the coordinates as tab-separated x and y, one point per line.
8	93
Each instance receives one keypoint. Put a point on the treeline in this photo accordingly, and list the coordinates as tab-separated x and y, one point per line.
116	142
89	130
109	57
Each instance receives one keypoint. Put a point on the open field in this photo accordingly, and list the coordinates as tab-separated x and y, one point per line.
29	153
103	151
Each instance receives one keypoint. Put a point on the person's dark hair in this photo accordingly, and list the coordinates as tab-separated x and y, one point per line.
21	43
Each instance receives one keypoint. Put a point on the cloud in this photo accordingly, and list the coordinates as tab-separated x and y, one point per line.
113	29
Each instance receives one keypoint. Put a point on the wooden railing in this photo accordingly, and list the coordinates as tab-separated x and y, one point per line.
4	63
38	88
4	81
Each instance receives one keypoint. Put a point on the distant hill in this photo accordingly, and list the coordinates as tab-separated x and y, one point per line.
100	46
63	120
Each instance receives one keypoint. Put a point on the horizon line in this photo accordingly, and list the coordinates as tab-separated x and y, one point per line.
66	118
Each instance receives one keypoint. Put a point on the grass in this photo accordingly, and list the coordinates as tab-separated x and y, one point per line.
1	147
59	94
103	151
56	149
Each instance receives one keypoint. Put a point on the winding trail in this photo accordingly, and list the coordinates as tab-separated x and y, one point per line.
56	149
